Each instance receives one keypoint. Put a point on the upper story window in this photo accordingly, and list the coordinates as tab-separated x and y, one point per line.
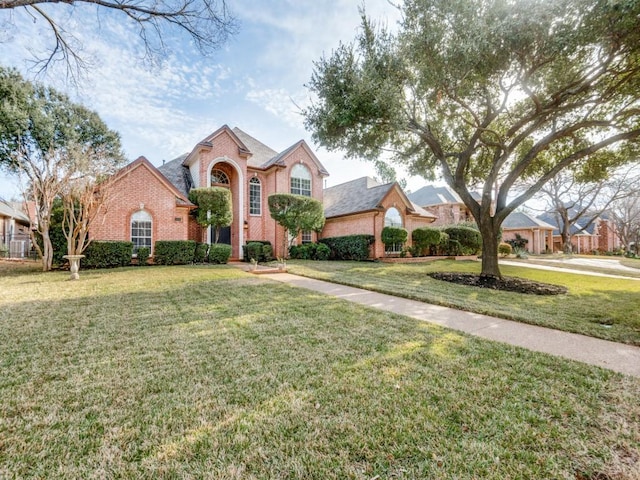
141	223
255	197
393	218
300	180
218	177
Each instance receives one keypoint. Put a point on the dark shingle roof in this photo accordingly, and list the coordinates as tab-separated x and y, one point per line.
575	229
178	174
260	153
522	220
358	195
432	195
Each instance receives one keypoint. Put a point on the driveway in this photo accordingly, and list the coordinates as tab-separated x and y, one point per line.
564	265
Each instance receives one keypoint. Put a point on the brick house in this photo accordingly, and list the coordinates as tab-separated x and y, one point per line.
364	206
599	235
539	234
146	204
15	239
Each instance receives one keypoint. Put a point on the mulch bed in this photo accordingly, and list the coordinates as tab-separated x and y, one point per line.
509	284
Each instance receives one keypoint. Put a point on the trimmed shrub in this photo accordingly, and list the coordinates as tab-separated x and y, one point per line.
425	241
469	238
267	252
143	255
322	252
391	236
254	251
349	247
443	245
219	253
264	256
504	249
174	252
454	248
107	254
518	242
200	254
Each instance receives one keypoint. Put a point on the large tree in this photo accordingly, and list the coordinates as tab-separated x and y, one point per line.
52	144
487	93
215	208
207	23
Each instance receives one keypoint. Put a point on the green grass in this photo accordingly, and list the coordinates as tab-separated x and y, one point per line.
601	307
208	372
535	260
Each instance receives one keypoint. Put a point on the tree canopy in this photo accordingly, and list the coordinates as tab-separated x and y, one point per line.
487	94
214	208
53	144
296	213
207	23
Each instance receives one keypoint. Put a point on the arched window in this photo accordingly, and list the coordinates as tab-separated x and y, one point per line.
393	218
218	177
141	230
255	197
300	180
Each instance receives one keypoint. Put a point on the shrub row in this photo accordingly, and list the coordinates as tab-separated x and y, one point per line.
105	254
349	247
454	240
310	251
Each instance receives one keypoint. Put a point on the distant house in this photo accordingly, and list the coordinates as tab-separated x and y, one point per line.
444	203
364	206
539	234
15	239
147	204
599	235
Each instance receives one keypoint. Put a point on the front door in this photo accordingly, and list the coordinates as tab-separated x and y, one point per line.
224	236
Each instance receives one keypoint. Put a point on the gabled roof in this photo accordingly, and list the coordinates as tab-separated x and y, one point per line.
260	153
575	229
142	162
178	174
208	143
362	195
430	195
520	220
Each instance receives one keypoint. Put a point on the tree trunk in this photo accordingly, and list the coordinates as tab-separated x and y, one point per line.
47	251
490	239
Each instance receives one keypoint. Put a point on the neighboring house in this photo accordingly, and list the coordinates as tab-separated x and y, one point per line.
364	206
15	240
147	204
539	234
444	203
600	235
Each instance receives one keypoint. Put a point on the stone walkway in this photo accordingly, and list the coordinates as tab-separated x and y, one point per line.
611	355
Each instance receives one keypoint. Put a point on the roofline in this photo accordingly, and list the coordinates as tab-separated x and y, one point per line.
301	143
242	148
142	161
359	212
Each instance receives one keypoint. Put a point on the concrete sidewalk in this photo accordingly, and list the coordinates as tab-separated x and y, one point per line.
614	356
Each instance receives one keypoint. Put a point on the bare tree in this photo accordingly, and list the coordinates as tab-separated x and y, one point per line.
625	213
207	23
576	205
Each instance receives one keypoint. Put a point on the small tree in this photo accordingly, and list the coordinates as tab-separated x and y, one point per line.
215	208
393	236
296	213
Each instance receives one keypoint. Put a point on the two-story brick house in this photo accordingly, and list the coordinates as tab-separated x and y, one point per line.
146	204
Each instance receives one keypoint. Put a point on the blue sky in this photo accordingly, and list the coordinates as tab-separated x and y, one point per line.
255	82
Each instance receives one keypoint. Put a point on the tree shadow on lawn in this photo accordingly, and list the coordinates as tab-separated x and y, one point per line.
251	378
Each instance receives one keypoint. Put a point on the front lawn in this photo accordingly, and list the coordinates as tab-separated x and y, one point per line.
601	307
208	372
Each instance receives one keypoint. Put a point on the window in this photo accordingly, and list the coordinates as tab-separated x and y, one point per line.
393	218
300	180
255	197
141	230
306	236
219	177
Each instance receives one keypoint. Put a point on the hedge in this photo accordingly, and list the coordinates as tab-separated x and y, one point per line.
393	235
426	240
200	254
174	252
264	255
106	254
349	247
219	253
310	251
143	255
469	238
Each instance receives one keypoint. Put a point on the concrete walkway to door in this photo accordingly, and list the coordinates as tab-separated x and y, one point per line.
614	356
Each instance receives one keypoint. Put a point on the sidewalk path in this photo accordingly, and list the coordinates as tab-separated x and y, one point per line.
614	356
565	270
